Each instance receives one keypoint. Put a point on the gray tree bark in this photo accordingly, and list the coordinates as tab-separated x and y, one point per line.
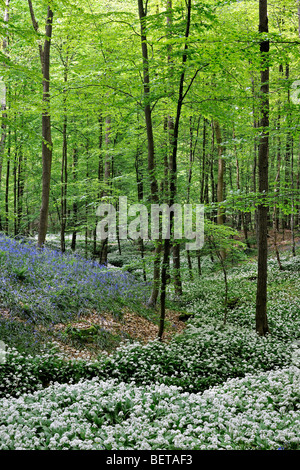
151	153
46	122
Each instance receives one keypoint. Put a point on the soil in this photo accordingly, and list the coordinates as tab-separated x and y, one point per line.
133	325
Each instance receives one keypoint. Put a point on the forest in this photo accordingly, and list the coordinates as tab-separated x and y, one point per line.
114	335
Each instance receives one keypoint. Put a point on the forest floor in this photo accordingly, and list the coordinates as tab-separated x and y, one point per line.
137	327
133	325
216	386
130	324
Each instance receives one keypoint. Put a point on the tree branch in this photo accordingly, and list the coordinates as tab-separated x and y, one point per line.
34	22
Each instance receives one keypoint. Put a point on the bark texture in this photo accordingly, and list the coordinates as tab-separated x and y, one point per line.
46	121
263	156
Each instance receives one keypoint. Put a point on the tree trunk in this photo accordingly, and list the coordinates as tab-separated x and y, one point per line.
173	172
297	206
64	164
7	187
293	206
263	152
20	188
238	185
86	234
254	170
3	99
16	184
191	161
277	187
203	172
288	153
150	142
220	185
175	245
277	180
212	161
140	194
46	122
107	176
100	179
75	205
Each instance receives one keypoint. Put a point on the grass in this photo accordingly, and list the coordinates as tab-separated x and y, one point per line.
215	386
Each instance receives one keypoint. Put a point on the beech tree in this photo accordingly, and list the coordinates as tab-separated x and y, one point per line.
44	51
142	9
3	94
173	166
263	154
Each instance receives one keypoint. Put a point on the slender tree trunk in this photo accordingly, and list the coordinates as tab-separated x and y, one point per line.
75	205
254	170
100	160
292	206
64	176
238	185
16	183
46	122
297	207
170	128
86	235
275	227
212	178
150	141
191	162
140	194
100	179
107	178
288	153
276	191
173	171
203	167
199	262
3	99
64	164
289	166
277	214
262	219
7	185
46	133
221	259
220	185
20	188
147	106
174	244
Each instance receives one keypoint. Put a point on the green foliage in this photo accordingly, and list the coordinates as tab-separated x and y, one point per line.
59	287
208	358
222	238
96	66
93	336
204	357
20	273
258	412
96	71
83	334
